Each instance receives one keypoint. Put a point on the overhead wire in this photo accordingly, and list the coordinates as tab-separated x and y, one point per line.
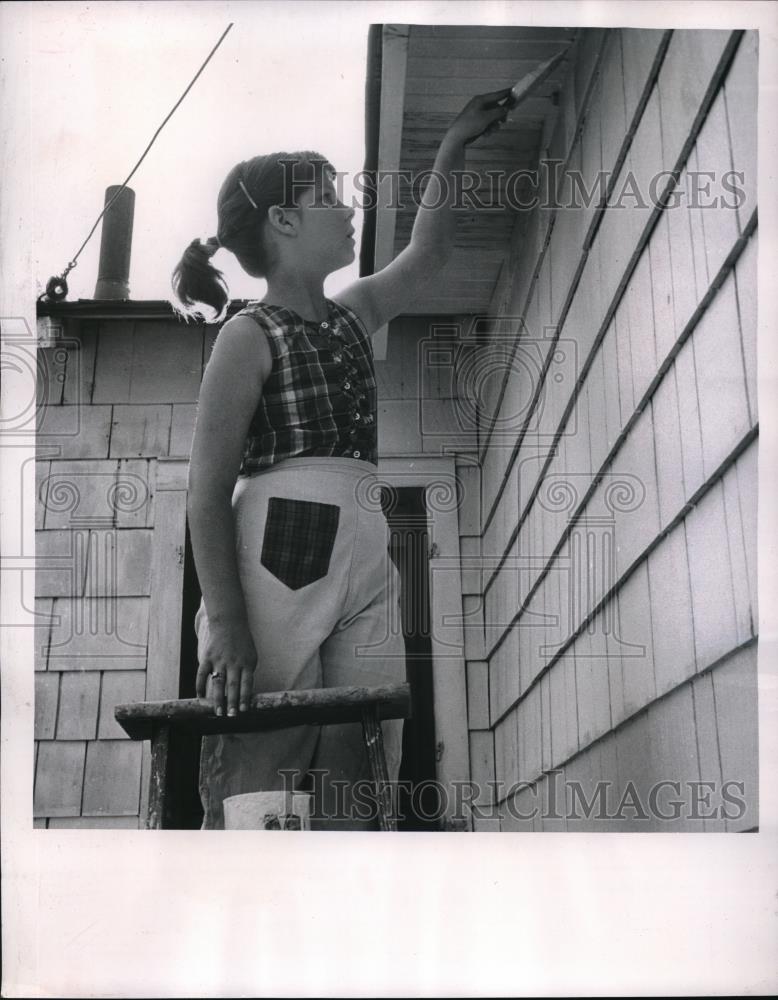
56	287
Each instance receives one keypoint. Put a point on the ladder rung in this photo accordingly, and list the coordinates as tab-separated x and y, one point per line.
273	710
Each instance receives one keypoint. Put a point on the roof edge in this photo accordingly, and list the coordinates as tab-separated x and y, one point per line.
123	309
372	130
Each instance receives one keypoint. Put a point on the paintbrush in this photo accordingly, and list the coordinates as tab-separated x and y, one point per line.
529	84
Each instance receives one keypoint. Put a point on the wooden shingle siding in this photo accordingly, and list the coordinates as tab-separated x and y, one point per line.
608	352
80	364
635	525
672	756
135	488
78	701
748	485
46	702
706	731
669	455
113	362
745	625
42	631
127	399
647	182
545	722
613	115
470	550
477	695
624	364
482	776
504	687
530	736
721	382
506	747
549	799
80	491
469	477
74	431
689	75
703	732
664	402
745	278
119	563
41	490
735	693
719	218
182	429
118	687
685	368
94	823
52	363
95	580
592	685
637	652
473	626
641	49
148	362
661	285
62	559
620	230
166	572
531	630
672	621
99	633
112	778
564	710
641	327
741	93
713	602
517	813
597	413
683	738
681	260
59	778
140	430
398	429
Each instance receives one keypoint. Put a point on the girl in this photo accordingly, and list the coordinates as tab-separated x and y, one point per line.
298	588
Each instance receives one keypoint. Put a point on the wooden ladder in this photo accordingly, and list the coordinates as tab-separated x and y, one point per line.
161	721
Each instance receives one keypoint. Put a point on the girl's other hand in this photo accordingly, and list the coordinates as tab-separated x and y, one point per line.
229	659
482	114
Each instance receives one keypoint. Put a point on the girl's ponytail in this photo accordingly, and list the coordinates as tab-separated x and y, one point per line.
196	281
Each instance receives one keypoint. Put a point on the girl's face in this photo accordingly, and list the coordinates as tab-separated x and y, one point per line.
326	233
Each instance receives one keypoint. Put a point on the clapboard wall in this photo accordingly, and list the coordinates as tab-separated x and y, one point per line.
116	417
613	628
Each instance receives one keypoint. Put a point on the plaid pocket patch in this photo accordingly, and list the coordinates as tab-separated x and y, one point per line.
298	540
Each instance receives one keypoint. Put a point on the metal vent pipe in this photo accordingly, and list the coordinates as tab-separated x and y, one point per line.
115	245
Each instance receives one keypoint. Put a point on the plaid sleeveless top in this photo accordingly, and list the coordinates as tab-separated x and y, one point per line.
320	396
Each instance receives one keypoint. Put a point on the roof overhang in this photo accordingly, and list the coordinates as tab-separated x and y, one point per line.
419	77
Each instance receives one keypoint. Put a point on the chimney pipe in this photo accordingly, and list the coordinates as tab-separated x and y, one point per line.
115	245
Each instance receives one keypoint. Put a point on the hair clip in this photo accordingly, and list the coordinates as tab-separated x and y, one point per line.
244	189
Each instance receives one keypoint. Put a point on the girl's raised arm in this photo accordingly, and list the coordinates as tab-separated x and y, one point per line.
393	290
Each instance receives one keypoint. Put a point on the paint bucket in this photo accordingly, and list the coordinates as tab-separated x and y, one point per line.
268	811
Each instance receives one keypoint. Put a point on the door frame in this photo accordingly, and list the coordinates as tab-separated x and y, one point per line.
442	493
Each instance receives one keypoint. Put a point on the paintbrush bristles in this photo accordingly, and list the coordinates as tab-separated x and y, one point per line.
529	83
